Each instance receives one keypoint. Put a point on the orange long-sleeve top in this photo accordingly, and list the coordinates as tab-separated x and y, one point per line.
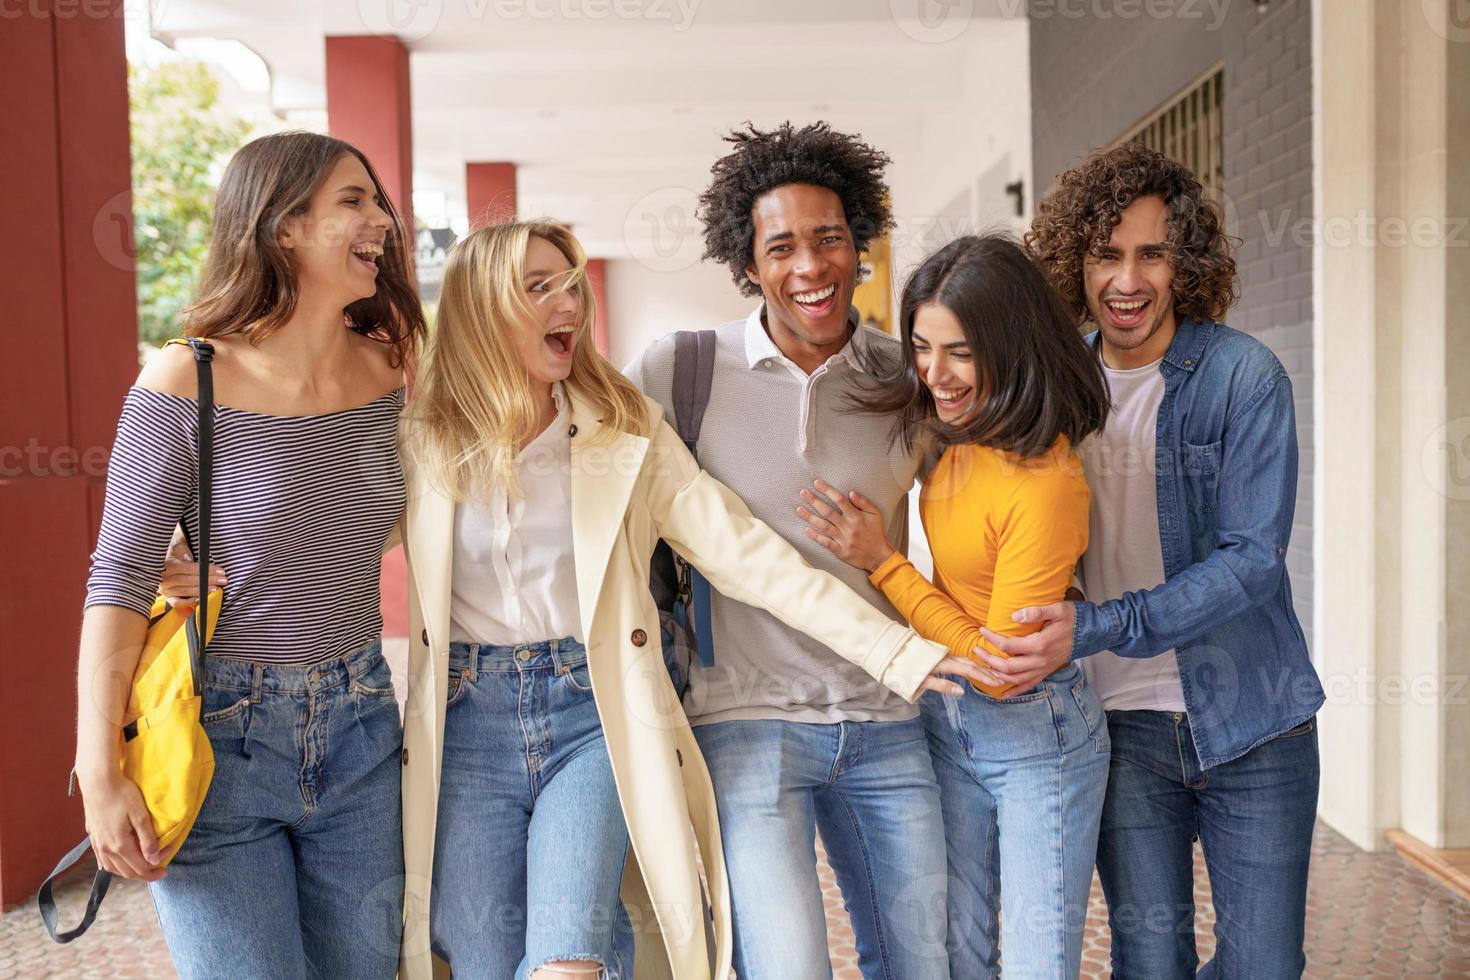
1005	533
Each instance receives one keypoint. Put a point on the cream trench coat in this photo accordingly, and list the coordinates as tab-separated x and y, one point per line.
627	492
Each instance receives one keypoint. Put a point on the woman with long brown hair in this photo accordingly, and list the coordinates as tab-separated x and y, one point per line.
996	377
294	866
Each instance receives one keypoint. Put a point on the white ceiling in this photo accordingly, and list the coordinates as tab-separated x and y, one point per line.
607	105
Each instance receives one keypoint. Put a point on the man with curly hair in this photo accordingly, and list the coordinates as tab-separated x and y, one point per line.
1190	638
796	739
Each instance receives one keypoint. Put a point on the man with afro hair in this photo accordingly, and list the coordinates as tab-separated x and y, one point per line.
797	739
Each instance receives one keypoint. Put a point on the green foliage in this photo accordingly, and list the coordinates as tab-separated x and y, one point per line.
181	139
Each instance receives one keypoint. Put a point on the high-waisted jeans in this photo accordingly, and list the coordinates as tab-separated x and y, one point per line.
295	865
531	842
1022	783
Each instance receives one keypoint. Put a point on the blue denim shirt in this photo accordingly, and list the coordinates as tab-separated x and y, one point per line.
1226	463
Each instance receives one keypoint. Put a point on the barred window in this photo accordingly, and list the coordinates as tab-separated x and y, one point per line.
1190	129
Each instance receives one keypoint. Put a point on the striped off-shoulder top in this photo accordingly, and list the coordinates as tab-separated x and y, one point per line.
302	508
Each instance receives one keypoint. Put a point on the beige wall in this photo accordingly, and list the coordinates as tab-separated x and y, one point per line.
1392	263
947	179
1455	768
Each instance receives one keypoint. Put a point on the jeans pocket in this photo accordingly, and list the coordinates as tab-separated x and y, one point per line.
1093	716
374	701
229	722
459	683
578	678
375	682
1305	728
1032	726
232	710
1201	470
1037	693
367	691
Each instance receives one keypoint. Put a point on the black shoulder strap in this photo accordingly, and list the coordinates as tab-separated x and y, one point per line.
694	375
197	630
199	622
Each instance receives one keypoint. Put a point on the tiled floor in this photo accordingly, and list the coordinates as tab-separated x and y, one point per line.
1368	915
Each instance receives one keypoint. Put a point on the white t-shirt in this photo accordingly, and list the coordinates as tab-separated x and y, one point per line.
515	575
1123	552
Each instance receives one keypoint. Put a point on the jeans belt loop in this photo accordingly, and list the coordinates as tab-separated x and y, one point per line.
473	673
257	681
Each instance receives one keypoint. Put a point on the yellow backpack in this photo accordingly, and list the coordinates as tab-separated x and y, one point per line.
166	751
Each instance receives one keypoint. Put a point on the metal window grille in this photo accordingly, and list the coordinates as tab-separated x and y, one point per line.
1191	130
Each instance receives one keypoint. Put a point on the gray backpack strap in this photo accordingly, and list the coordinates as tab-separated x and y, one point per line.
694	373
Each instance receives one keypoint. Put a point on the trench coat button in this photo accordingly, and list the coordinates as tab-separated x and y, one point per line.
404	756
424	636
639	638
572	432
680	756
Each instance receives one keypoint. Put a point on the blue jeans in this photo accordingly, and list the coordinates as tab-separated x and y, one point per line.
531	842
295	865
869	788
1254	818
1022	783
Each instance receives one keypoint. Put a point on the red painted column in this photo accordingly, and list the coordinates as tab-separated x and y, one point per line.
597	276
393	586
368	106
490	193
71	326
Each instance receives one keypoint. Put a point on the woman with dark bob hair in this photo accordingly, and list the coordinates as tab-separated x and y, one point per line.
997	381
294	867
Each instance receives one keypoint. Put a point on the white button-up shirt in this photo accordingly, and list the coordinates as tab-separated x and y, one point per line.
515	575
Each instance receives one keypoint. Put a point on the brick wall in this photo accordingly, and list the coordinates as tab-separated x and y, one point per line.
1268	180
1098	68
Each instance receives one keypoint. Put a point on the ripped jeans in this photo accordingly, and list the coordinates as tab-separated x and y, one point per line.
531	842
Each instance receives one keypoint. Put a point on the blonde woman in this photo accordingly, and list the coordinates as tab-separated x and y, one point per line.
544	746
541	720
